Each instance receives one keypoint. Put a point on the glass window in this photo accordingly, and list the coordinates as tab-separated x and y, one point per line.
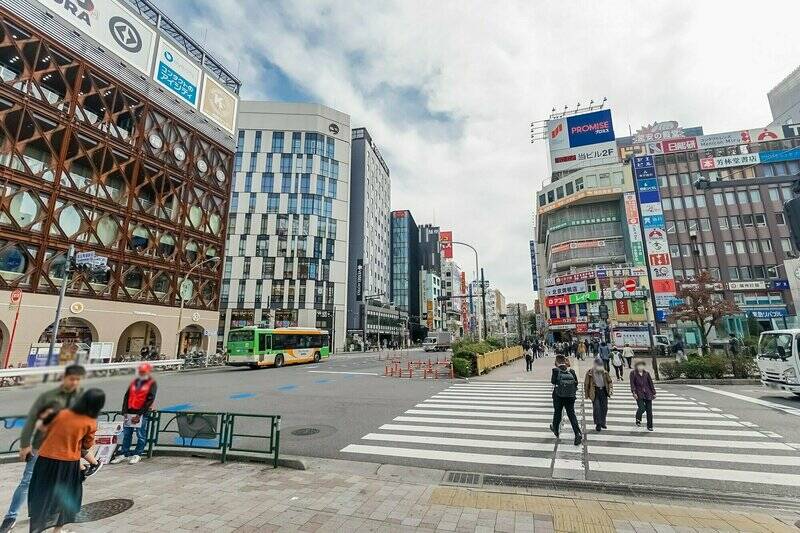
666	203
733	273
747	221
752	246
730	198
742	197
705	224
760	220
267	181
579	184
786	245
559	192
722	222
684	179
755	196
779	219
569	188
759	272
681	226
670	226
689	202
677	202
736	221
774	195
786	192
257	144
673	180
728	245
711	250
700	200
277	141
674	250
686	250
714	273
740	249
718	198
745	272
296	142
766	245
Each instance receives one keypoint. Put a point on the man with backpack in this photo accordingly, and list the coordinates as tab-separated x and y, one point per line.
565	389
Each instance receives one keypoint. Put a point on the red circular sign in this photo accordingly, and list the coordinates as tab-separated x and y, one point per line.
16	296
630	285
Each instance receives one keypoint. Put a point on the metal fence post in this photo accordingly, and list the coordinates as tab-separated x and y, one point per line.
227	435
152	432
276	424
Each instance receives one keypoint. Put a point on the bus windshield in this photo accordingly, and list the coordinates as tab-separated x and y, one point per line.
243	335
775	346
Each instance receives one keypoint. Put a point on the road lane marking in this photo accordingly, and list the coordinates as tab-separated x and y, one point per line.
451	456
785	460
242	396
741	476
286	388
470	431
470	443
343	372
177	407
780	407
641	438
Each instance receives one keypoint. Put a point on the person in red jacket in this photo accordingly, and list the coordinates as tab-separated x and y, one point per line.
138	401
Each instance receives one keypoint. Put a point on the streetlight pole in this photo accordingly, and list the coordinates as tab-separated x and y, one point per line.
180	294
476	277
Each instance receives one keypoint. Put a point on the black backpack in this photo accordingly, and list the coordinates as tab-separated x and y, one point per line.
566	384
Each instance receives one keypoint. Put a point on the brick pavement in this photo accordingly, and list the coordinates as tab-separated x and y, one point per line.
190	494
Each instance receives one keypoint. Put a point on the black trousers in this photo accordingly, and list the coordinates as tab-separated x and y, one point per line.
645	406
567	404
605	364
618	371
600	406
629	360
528	364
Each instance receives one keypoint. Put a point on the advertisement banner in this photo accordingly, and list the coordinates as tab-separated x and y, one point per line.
590	128
791	130
464	310
360	280
747	285
658	131
653	221
652	209
664	286
446	243
774	156
622	307
584	156
569	288
429	315
631	211
740	160
583	297
576	245
219	104
111	24
635	338
534	266
768	313
683	144
177	73
553	301
735	138
558	138
648	185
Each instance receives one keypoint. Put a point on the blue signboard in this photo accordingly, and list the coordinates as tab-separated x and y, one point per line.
661	315
675	302
646	173
642	162
780	284
648	185
590	128
767	313
649	197
653	221
171	78
774	156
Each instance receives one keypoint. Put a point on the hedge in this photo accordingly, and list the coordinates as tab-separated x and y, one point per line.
709	367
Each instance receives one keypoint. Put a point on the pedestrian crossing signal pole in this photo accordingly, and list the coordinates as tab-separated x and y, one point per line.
68	267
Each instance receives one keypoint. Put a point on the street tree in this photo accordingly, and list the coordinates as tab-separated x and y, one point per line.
701	306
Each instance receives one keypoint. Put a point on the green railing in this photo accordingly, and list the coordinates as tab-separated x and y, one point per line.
210	431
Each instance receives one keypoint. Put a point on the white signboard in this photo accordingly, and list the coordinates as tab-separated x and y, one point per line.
584	156
219	104
567	288
636	339
710	163
747	285
110	24
105	440
735	138
177	73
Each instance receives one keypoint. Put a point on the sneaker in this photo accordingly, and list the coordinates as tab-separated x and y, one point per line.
578	439
604	426
649	429
117	460
598	427
92	470
8	524
134	459
638	423
553	430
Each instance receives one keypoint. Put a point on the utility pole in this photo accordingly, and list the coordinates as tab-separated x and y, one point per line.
519	322
62	292
483	304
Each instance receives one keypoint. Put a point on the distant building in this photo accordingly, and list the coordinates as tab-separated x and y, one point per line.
430	253
784	100
495	312
405	264
516	319
430	288
451	287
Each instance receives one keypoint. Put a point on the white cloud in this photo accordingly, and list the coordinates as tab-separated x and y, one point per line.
491	68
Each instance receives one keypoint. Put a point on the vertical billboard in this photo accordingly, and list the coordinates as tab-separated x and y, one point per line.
655	233
534	266
446	243
634	229
219	104
177	73
582	140
464	313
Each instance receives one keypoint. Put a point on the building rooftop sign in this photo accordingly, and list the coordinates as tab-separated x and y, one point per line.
658	131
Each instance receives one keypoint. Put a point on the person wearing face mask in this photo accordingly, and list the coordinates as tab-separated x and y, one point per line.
136	404
597	387
644	392
565	388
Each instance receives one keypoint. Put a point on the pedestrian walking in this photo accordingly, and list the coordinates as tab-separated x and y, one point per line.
627	354
56	492
644	392
30	440
136	404
597	387
565	389
604	352
527	351
678	350
581	351
618	362
595	344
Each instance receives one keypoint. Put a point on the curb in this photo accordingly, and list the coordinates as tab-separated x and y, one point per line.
723	381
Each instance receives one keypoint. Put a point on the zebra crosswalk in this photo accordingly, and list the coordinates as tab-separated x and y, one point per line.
503	428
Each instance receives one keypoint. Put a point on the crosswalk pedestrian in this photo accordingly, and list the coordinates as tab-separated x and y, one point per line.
502	427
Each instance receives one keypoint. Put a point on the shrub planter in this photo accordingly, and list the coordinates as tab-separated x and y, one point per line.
710	381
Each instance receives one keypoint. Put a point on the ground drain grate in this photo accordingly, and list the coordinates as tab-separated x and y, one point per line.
304	432
464	479
91	512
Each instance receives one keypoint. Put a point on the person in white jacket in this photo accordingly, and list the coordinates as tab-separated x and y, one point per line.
619	361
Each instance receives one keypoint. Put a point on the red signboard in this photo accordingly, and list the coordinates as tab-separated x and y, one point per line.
464	310
659	260
683	144
553	301
622	307
630	285
664	286
559	321
446	240
582	328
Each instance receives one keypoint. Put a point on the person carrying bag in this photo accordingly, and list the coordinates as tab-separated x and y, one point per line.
565	389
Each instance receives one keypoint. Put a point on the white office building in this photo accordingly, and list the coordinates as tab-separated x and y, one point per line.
287	250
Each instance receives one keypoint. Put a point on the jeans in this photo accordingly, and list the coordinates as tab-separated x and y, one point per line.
569	404
21	492
141	439
600	406
645	406
618	371
605	365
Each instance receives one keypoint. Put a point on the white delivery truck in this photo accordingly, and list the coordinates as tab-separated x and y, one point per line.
437	341
778	360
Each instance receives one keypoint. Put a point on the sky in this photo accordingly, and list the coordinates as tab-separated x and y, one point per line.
448	89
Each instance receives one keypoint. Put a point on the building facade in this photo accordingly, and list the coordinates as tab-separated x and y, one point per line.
370	232
784	100
286	262
496	312
430	252
452	289
100	151
405	264
430	288
517	324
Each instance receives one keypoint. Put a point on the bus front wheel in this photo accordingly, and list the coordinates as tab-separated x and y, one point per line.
278	361
317	357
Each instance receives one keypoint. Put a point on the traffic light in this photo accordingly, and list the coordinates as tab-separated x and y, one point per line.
791	210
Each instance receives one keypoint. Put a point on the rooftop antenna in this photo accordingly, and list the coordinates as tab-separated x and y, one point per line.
539	127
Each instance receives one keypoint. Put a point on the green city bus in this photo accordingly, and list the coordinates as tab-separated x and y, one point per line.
260	347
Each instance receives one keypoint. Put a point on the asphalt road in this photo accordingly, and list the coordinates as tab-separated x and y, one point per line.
716	438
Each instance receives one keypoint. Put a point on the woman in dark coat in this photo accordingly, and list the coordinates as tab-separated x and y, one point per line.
644	392
55	493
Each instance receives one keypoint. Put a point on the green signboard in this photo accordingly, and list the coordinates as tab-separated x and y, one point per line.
583	297
637	250
637	307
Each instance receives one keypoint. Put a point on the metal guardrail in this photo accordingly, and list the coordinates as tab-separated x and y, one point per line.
199	430
48	370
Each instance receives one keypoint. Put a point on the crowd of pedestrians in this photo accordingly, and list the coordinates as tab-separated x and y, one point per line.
56	443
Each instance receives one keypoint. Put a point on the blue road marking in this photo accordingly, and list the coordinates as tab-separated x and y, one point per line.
197	442
320	381
177	407
13	423
286	388
242	396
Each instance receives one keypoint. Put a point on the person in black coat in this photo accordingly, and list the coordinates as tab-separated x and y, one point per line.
565	388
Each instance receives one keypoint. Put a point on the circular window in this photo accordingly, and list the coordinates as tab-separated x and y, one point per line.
133	279
70	221
107	230
220	175
139	238
202	166
166	245
179	153
195	215
56	270
214	222
191	251
24	209
161	283
155	141
13	260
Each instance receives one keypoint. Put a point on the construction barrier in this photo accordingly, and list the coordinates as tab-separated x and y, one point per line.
434	369
497	358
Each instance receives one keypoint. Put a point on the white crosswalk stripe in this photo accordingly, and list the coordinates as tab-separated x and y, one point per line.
503	427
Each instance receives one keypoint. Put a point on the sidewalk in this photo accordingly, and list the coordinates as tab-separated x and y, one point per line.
187	494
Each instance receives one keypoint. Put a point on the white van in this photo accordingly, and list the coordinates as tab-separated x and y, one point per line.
779	359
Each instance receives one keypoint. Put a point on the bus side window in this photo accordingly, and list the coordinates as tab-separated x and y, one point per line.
262	342
797	341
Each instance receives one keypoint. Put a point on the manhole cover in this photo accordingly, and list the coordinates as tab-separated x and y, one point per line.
304	432
94	511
